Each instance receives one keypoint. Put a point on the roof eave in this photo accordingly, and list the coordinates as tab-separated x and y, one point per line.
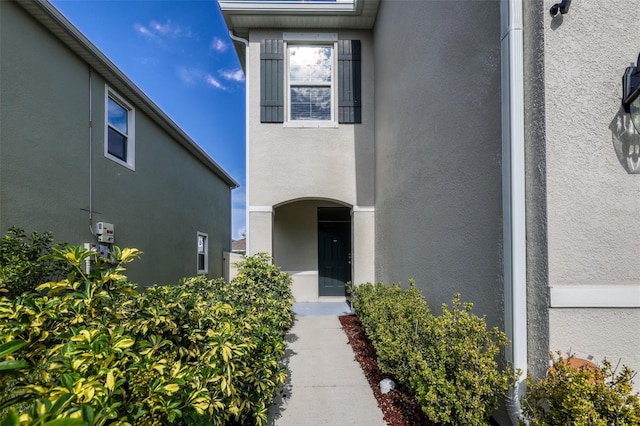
52	19
288	7
241	16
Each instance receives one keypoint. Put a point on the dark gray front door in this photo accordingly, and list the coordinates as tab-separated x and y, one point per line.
334	250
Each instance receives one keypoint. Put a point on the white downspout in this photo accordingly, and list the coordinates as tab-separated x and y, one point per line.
513	189
246	136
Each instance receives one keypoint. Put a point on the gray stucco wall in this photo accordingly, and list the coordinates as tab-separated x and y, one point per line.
44	163
438	149
593	199
536	200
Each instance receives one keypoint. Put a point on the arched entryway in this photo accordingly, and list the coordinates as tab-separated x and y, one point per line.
312	241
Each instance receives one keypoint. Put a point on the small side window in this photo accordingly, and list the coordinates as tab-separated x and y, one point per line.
203	253
119	141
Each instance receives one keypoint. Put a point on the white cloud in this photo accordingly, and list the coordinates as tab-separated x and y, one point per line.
236	75
141	29
219	45
161	28
211	81
196	77
158	31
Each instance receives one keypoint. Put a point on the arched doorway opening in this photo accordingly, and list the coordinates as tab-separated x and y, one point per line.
312	241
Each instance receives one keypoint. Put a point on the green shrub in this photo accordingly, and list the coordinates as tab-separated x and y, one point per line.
94	351
582	396
447	361
21	265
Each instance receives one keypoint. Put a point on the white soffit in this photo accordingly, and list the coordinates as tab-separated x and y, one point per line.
241	16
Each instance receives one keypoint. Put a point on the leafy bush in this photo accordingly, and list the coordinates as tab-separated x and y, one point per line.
448	361
94	351
582	396
21	266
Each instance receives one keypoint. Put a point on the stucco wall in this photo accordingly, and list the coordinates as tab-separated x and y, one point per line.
593	199
44	163
291	171
295	235
438	147
292	163
536	194
295	245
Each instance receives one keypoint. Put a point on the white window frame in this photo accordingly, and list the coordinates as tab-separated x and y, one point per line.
310	39
202	251
131	129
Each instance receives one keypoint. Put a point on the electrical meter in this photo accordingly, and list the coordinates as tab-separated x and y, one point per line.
104	232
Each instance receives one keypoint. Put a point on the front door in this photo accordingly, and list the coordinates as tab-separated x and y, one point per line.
334	250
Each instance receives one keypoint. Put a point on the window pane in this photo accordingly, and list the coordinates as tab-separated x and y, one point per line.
311	103
310	64
117	116
117	144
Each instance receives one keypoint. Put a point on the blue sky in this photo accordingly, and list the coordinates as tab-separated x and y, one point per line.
180	54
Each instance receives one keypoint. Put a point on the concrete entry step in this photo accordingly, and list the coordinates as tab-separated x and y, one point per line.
328	308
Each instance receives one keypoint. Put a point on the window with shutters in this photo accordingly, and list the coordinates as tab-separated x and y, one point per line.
310	80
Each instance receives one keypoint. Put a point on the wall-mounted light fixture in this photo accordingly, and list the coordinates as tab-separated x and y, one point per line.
631	93
562	7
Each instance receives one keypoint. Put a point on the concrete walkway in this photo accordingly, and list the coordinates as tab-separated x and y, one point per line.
326	386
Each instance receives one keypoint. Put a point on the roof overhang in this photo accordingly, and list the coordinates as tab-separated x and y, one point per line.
242	16
51	18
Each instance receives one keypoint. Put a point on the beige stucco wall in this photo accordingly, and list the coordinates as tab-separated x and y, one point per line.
295	163
593	201
363	226
295	245
293	171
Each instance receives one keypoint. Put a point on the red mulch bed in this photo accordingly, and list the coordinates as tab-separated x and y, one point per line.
398	406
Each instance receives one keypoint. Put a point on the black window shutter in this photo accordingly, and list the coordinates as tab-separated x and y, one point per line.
271	81
349	85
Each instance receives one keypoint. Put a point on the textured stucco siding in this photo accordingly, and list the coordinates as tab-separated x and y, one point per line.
536	195
593	199
593	202
438	150
288	163
295	235
292	171
598	334
44	163
295	245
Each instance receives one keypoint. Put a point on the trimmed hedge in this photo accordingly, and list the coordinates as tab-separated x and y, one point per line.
91	350
448	361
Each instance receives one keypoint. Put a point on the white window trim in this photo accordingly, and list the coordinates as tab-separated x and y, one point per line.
131	127
206	253
311	39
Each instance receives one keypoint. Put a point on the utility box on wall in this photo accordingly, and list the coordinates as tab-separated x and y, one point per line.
104	232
